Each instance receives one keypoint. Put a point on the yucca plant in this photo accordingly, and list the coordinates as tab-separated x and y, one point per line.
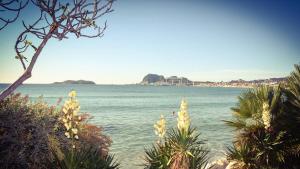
158	156
187	149
242	155
82	153
180	148
84	158
267	122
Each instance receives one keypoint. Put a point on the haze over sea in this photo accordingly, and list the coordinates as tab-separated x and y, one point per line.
127	113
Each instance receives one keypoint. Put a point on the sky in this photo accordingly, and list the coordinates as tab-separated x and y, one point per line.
203	41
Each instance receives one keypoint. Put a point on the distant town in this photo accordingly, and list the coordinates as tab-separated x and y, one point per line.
159	80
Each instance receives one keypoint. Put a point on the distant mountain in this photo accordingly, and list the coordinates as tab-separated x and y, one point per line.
152	78
75	82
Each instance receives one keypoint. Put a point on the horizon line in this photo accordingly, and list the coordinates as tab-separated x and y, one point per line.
140	82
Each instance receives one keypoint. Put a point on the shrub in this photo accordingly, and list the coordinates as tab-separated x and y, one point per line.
32	134
92	135
179	148
267	122
24	127
89	148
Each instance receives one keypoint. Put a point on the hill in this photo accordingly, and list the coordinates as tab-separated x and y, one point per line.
75	82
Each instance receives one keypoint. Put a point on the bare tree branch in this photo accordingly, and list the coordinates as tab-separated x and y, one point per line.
14	7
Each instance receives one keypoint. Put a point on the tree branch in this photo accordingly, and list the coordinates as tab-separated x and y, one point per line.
58	20
27	74
13	6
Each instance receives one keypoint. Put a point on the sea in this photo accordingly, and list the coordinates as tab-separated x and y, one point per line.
127	113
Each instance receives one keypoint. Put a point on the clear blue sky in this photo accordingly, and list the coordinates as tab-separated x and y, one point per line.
199	40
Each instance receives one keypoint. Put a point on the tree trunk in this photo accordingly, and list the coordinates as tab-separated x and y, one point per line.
13	86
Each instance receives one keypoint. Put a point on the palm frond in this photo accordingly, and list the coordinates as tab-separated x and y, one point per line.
274	139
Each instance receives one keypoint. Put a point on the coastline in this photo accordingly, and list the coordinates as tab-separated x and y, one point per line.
246	87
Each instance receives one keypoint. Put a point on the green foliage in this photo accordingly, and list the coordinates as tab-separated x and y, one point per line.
249	110
242	153
267	123
260	149
29	130
178	149
292	103
158	156
84	158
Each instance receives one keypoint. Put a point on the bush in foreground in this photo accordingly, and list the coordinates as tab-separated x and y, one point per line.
34	135
178	148
267	121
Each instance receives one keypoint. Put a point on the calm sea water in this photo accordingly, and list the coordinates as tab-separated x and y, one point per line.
128	112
